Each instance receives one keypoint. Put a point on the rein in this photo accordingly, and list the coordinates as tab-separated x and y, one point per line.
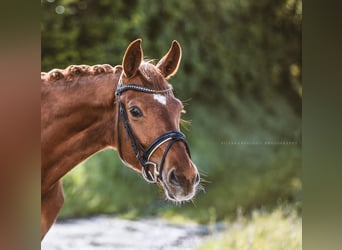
144	154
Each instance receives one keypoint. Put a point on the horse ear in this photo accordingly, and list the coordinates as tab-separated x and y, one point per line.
168	65
132	58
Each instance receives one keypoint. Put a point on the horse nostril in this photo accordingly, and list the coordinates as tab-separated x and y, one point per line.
197	179
173	178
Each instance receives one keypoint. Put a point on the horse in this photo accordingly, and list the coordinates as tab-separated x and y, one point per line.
129	108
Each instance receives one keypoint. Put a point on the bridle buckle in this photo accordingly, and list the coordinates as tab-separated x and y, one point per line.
146	173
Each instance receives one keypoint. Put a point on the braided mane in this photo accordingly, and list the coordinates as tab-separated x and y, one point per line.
74	72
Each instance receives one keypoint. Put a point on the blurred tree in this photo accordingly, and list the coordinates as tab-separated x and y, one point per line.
240	47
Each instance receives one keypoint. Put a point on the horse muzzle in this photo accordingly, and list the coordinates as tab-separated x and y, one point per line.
180	185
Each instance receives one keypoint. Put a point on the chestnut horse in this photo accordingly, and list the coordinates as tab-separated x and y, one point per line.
129	108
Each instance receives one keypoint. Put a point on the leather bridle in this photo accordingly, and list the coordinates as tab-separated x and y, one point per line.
144	154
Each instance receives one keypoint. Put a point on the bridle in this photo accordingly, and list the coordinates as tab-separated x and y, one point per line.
144	154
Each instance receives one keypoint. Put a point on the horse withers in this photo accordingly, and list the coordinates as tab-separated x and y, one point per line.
129	108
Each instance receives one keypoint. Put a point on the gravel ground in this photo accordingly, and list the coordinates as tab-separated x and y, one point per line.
104	232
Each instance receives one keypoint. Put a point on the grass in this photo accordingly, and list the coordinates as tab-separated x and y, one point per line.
278	230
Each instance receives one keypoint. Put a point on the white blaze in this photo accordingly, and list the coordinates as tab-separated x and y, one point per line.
160	98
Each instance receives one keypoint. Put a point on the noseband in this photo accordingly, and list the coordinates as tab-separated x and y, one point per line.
144	154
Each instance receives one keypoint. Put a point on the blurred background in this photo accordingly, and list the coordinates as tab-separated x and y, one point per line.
240	78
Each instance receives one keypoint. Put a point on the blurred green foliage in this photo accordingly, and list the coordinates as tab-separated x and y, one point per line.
240	79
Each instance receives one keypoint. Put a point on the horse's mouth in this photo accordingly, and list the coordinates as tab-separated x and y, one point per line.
178	195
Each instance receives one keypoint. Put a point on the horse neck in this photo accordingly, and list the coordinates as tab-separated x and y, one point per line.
77	121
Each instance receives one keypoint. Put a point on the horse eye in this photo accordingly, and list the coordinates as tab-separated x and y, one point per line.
135	112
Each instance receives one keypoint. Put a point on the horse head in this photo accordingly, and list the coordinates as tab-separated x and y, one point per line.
148	123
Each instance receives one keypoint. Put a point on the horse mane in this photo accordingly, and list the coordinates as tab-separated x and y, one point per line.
73	73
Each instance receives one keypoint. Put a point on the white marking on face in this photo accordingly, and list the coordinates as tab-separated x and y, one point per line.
160	98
